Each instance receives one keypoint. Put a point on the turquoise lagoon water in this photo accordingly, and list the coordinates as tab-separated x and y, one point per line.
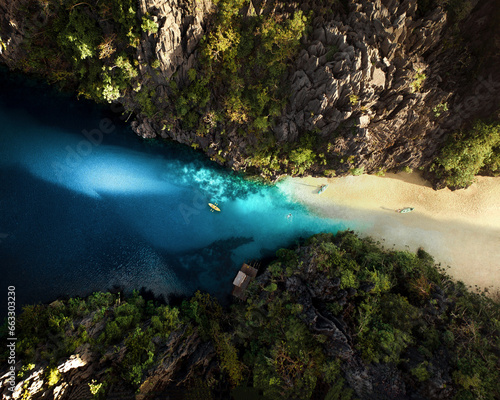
85	205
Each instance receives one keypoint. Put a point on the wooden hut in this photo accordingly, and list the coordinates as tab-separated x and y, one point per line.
245	275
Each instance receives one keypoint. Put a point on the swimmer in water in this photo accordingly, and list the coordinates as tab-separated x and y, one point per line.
289	215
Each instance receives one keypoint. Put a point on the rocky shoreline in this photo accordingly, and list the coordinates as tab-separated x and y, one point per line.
379	85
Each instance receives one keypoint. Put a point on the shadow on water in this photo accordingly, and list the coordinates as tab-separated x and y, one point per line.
127	214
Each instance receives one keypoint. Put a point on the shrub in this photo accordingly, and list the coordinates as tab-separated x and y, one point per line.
98	300
465	153
418	81
348	279
25	368
95	388
170	317
353	99
144	98
229	358
110	92
384	343
148	25
107	47
439	109
421	372
156	64
53	376
81	35
357	171
112	332
302	158
138	357
381	280
124	14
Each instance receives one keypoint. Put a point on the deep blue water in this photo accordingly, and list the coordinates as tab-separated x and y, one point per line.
83	213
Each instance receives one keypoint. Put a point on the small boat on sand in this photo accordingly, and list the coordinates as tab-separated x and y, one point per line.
214	207
322	189
405	210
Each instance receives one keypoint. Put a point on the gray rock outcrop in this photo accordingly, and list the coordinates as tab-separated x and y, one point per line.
365	83
13	27
359	84
181	26
184	357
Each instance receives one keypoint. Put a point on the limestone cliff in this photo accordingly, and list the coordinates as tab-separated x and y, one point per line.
185	358
368	84
356	84
378	84
382	86
13	27
182	24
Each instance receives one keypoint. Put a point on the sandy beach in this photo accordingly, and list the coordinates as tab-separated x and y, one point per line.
460	229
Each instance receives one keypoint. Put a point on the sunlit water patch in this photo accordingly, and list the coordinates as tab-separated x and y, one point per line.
85	205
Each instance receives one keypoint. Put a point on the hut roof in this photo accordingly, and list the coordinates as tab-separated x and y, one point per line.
243	278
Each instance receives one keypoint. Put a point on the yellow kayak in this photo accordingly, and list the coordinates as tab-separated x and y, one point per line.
214	207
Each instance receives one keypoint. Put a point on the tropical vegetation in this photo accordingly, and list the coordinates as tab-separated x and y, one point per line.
333	302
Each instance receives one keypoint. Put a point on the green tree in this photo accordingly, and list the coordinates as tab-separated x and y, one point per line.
466	153
149	26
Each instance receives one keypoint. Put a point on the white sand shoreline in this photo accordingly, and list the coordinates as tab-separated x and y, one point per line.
460	229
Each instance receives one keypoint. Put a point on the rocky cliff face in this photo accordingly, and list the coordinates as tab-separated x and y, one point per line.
380	85
182	25
368	85
184	358
357	84
13	30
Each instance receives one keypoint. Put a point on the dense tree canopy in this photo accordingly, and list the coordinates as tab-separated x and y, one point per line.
335	308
